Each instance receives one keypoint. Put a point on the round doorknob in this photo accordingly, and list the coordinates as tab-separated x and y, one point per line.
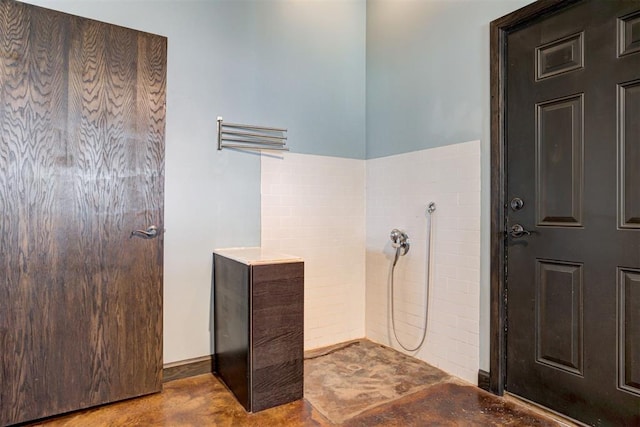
516	203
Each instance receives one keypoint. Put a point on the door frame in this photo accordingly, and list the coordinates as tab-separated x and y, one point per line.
499	30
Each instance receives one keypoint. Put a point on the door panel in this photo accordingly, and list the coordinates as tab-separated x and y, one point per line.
629	141
82	155
560	56
559	147
629	327
572	132
559	320
629	34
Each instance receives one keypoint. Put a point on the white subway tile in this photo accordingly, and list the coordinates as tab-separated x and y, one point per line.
453	182
337	214
305	200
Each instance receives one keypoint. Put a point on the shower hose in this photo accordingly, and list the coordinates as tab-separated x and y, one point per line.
427	283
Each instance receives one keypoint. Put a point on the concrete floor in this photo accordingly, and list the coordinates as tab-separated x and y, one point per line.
364	385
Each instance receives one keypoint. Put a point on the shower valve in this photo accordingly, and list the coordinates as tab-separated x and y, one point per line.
399	240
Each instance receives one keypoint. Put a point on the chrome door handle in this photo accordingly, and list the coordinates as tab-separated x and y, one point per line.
149	233
518	231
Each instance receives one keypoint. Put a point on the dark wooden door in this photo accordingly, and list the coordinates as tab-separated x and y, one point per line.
573	150
81	166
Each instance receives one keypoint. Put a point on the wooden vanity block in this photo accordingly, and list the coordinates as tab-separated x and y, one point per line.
258	321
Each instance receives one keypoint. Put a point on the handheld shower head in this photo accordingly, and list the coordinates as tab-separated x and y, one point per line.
395	237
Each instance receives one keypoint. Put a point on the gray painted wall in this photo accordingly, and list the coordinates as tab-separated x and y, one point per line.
428	72
288	63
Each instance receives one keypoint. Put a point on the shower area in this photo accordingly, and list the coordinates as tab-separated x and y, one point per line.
337	214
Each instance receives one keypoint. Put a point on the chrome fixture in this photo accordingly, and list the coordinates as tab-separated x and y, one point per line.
149	233
398	239
250	137
400	242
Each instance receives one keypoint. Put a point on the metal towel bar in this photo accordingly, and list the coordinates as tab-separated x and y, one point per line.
250	137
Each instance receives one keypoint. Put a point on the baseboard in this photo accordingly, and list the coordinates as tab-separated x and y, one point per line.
187	368
484	381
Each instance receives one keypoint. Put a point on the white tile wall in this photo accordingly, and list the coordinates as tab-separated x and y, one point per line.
398	190
314	207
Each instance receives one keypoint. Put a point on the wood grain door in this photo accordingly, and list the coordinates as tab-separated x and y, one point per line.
573	192
82	118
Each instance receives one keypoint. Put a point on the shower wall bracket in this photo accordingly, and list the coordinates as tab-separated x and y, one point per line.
250	137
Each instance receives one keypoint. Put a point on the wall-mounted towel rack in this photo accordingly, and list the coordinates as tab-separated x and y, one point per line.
250	137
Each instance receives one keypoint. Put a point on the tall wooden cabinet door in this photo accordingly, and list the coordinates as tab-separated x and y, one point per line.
81	167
